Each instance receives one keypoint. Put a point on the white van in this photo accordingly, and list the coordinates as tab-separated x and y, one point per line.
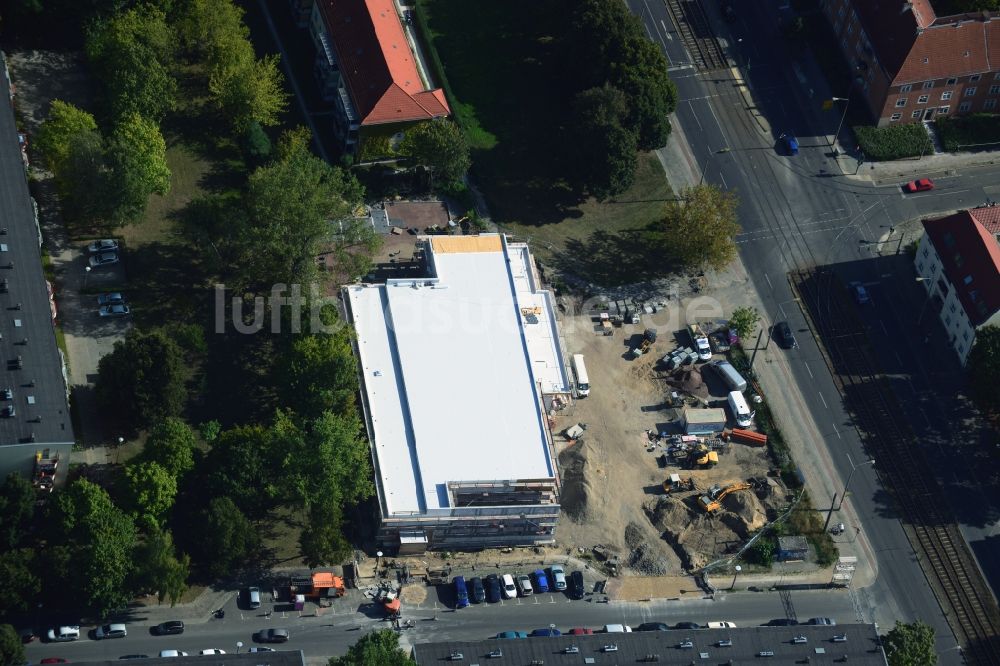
582	380
733	379
616	629
722	624
740	409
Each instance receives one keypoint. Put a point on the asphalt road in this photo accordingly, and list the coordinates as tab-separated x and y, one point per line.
799	212
332	634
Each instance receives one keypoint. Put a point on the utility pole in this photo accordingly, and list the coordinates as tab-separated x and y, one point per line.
755	346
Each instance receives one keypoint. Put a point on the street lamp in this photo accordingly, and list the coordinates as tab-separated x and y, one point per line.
737	573
378	556
86	275
239	644
841	123
854	468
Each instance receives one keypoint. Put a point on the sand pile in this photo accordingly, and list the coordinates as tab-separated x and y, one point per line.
646	555
576	488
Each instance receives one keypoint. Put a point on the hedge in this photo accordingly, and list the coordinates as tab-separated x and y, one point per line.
964	132
893	142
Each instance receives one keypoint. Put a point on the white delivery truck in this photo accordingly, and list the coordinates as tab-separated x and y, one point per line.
700	341
740	409
582	380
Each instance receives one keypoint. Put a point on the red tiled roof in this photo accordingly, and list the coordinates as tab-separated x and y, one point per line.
891	30
970	255
953	49
988	217
377	64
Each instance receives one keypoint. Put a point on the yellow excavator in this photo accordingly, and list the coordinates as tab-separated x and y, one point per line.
703	457
712	501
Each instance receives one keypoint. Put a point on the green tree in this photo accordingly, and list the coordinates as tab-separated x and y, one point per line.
983	367
151	490
82	180
159	569
212	31
171	444
256	144
137	158
17	510
249	90
318	373
226	539
698	229
11	647
63	123
440	146
376	648
142	380
744	321
651	95
603	151
100	540
910	645
322	540
762	551
132	52
21	584
245	467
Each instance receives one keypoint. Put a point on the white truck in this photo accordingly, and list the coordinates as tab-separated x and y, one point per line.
700	341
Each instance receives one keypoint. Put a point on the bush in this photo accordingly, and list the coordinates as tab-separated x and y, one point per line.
894	142
977	130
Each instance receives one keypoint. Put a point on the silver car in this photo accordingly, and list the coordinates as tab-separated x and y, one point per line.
558	577
110	299
103	259
103	245
116	310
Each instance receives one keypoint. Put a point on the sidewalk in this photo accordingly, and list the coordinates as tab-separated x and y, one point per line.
899	171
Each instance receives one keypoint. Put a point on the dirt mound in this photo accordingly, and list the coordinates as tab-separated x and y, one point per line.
646	556
748	508
690	381
702	537
576	488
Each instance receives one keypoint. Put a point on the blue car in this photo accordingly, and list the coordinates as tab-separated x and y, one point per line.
461	593
541	582
512	634
791	143
546	632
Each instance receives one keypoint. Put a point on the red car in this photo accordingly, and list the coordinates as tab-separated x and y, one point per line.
53	660
919	185
580	632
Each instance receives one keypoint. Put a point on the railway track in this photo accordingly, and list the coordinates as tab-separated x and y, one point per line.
944	555
688	16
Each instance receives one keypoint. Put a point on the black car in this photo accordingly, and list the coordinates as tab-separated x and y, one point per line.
167	628
134	656
652	626
687	625
477	594
782	622
785	335
492	584
575	587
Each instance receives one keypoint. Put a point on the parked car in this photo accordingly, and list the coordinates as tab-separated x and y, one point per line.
461	592
253	597
103	259
558	577
134	656
919	185
477	593
211	651
27	634
616	629
54	660
110	631
575	586
580	631
172	653
258	648
541	581
110	299
524	585
509	588
8	411
782	622
512	634
789	143
721	624
653	626
116	310
169	627
785	336
103	245
548	631
688	625
64	634
271	636
860	293
822	620
493	592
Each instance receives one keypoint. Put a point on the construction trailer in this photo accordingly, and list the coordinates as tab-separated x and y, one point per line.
703	421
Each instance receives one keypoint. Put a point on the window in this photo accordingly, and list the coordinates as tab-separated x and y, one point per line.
927	253
970	91
943	110
947	320
964	106
989	105
952	308
974	78
959	260
951	82
905	89
922	99
996	77
928	85
967	279
995	90
901	102
965	335
894	117
916	114
945	96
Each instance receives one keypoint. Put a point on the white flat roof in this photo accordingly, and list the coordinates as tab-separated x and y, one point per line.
450	384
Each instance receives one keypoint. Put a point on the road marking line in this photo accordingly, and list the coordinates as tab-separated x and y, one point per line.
837	432
824	401
809	371
723	179
768	282
882	324
896	354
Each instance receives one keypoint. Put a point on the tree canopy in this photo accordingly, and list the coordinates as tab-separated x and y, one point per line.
158	567
171	444
603	151
137	159
63	123
151	490
17	509
224	537
440	146
744	321
318	373
698	230
11	647
376	648
984	367
910	645
142	380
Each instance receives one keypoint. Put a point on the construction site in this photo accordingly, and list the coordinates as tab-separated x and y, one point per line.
657	477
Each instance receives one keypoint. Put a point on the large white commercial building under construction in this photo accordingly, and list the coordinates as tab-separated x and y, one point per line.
458	369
